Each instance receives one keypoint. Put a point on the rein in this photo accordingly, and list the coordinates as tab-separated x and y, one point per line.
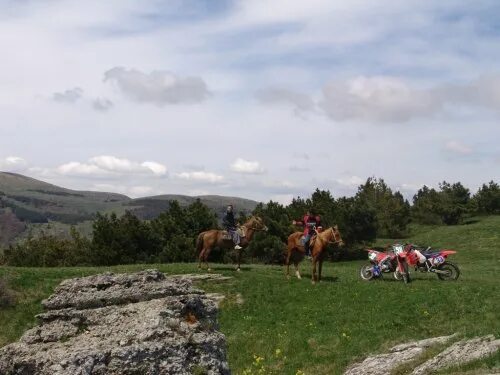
330	241
253	228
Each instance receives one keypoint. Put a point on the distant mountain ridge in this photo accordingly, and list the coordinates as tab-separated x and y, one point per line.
26	202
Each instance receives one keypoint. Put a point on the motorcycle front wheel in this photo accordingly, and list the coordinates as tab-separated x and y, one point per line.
366	272
452	272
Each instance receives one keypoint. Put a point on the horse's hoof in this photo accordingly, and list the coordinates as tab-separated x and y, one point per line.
313	282
209	269
238	269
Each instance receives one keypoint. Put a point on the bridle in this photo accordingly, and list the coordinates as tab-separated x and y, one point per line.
335	233
256	229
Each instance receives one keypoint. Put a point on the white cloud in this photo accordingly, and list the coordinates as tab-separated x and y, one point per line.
377	99
158	87
68	96
76	168
200	176
457	147
157	168
13	164
110	165
392	99
246	166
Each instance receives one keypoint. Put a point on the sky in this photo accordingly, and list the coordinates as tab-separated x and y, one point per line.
259	99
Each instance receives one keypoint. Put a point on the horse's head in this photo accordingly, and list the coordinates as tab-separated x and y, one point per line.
337	237
256	223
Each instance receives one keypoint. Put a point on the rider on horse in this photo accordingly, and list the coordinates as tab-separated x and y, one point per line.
229	223
311	224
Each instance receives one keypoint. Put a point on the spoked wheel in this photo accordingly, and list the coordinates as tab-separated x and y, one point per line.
366	272
452	272
397	275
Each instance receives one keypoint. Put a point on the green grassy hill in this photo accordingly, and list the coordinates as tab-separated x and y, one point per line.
28	206
320	329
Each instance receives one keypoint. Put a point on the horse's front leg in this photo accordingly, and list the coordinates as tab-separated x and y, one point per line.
314	277
238	268
297	272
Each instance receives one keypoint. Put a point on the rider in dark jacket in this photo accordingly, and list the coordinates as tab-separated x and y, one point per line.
230	224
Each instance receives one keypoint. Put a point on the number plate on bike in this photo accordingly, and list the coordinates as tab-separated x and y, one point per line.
398	249
438	260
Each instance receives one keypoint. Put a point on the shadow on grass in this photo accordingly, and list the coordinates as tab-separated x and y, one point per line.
325	279
231	268
469	222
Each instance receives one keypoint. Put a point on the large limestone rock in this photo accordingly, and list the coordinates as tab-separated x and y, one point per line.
382	364
460	353
142	323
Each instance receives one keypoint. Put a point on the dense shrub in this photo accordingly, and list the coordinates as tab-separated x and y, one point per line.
487	200
449	205
50	251
392	211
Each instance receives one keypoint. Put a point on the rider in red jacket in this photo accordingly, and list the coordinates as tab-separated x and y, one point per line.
310	222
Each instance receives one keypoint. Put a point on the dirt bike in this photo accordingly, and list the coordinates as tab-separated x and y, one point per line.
380	262
436	262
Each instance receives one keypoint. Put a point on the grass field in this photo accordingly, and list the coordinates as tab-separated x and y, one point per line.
287	326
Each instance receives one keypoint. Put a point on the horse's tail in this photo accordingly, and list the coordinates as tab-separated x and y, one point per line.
199	241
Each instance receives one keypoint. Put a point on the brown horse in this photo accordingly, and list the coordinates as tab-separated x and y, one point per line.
208	240
318	245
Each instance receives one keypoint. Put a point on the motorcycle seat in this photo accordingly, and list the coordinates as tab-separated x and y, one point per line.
431	255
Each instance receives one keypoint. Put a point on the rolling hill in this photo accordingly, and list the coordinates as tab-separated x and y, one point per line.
28	205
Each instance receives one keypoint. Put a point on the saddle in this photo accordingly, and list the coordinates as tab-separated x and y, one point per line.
226	235
311	241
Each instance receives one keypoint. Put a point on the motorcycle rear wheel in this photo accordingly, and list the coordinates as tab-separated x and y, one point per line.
453	272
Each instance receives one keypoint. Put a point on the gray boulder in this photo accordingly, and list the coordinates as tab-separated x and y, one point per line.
142	323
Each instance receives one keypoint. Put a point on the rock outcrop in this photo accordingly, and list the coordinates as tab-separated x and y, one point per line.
142	323
461	352
398	355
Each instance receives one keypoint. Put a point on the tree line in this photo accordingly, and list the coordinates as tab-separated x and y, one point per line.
375	211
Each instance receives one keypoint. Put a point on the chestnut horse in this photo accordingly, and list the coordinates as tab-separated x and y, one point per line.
209	239
296	250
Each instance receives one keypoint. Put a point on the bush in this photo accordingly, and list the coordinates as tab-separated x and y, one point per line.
447	206
268	249
487	199
49	251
